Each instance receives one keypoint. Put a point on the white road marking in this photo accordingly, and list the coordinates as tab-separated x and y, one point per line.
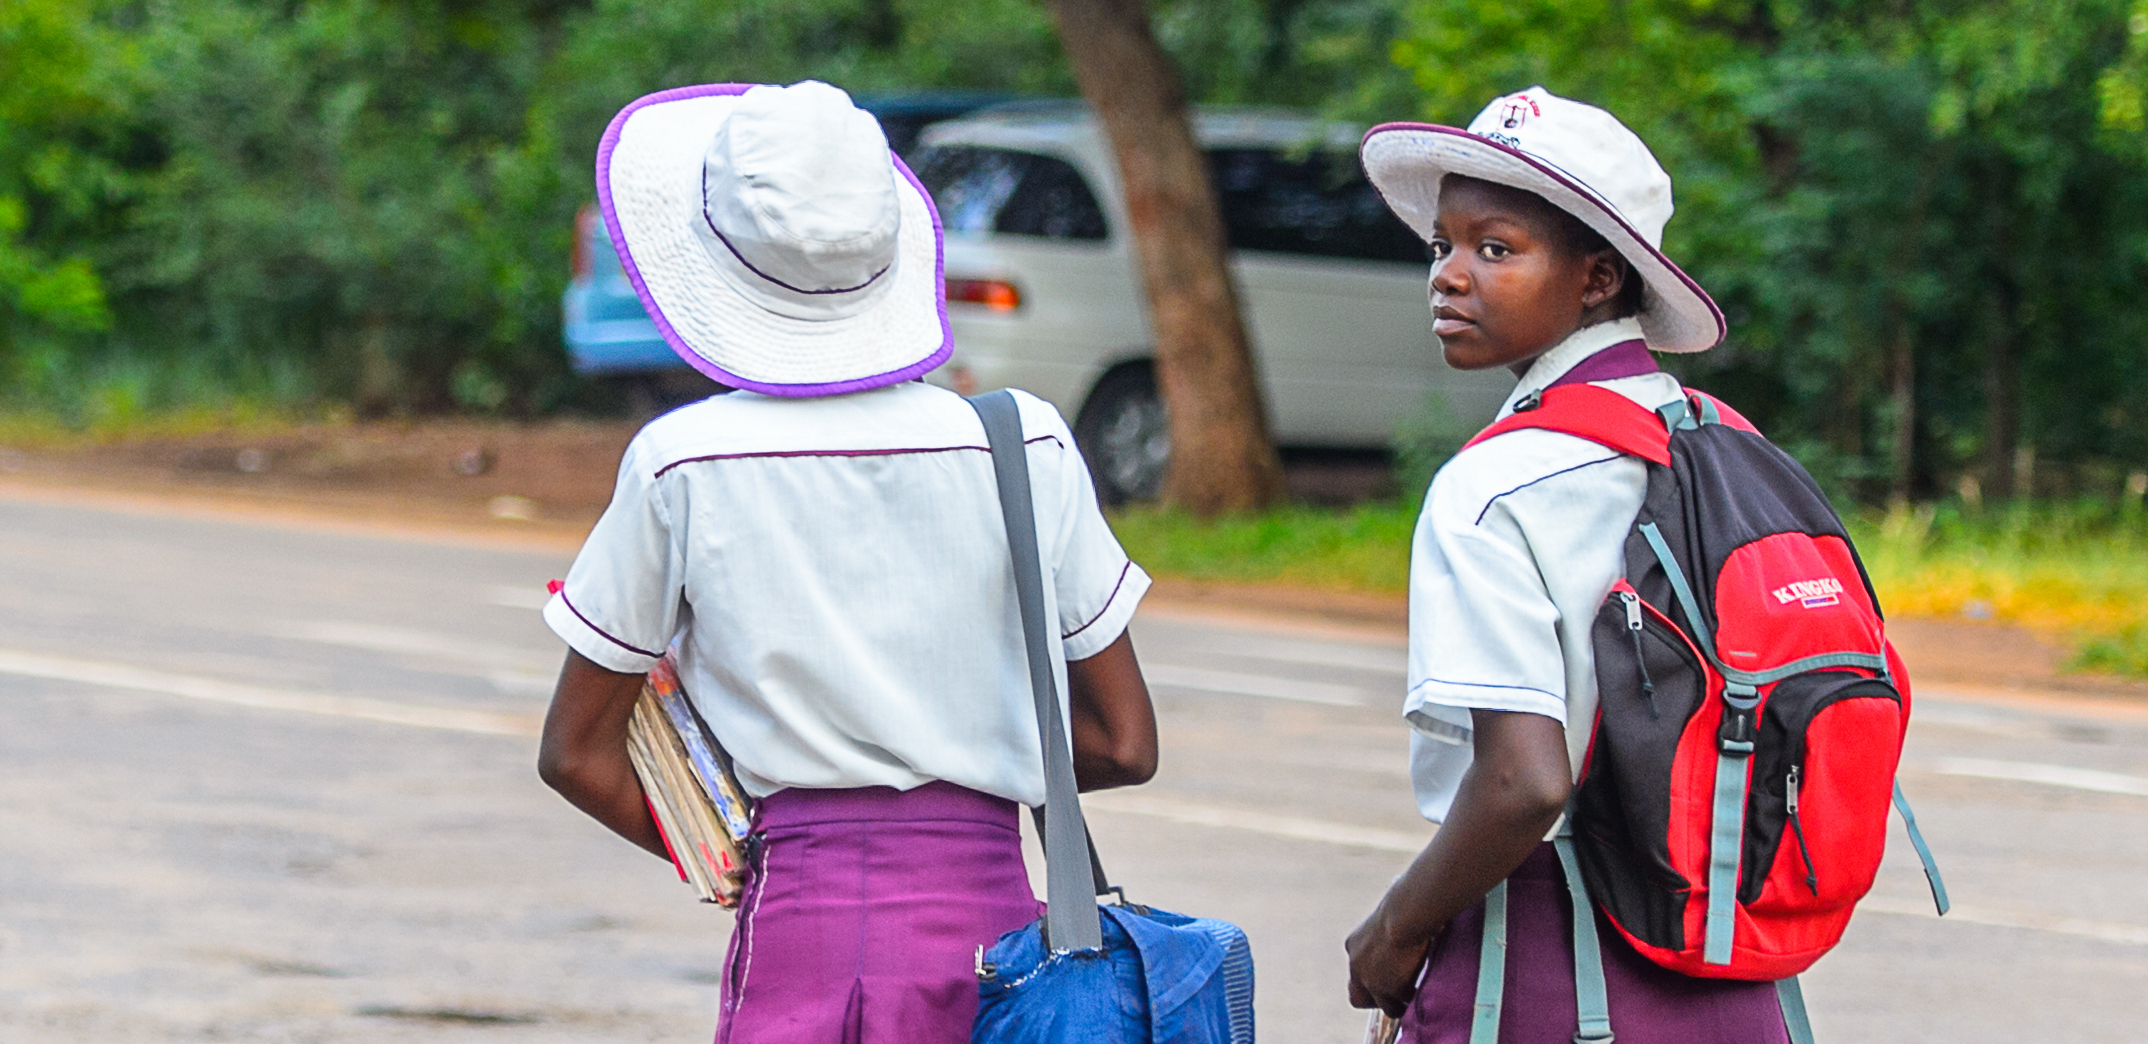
1204	680
521	683
114	676
407	642
515	596
1385	659
2127	934
2049	775
1298	828
1972	719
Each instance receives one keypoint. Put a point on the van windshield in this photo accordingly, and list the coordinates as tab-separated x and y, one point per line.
1011	193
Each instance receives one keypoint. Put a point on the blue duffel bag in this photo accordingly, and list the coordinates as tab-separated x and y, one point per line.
1085	974
1159	977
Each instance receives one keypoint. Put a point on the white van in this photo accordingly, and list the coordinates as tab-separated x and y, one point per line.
1043	291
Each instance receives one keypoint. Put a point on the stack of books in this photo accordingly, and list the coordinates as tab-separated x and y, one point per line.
705	816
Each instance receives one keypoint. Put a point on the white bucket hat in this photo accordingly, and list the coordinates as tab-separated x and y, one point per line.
776	242
1579	157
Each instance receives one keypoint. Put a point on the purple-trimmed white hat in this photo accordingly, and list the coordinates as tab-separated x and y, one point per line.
1579	157
777	243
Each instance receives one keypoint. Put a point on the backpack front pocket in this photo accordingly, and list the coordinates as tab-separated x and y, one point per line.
1823	774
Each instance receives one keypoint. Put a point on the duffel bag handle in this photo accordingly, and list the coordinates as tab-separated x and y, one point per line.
1072	875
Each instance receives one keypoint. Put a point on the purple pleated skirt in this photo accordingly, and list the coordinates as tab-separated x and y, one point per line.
1649	1004
861	926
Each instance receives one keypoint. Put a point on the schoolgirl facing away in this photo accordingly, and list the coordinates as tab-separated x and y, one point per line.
824	550
1545	219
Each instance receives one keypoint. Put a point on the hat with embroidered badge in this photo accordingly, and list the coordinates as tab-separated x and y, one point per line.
1581	159
776	242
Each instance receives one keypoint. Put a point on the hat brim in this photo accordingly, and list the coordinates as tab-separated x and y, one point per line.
1405	162
649	188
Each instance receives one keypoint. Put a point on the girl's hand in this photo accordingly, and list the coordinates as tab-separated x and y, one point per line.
1384	965
1512	793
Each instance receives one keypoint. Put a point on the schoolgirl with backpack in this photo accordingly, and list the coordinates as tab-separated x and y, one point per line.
1654	707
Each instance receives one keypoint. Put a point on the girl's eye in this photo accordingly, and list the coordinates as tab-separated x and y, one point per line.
1493	251
1439	249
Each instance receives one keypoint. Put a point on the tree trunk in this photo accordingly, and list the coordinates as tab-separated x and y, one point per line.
2002	406
1902	462
1222	458
1902	346
2001	294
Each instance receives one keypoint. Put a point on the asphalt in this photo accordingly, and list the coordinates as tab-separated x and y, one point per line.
276	783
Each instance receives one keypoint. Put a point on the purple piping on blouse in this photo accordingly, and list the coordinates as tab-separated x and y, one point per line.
904	452
678	344
1624	359
607	635
1722	328
1123	570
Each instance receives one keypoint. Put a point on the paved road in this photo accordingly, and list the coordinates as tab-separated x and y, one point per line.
275	785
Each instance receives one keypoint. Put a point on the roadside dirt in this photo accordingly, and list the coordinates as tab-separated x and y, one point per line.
541	486
527	485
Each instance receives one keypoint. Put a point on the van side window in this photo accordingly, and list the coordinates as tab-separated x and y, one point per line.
1012	193
1054	202
1315	203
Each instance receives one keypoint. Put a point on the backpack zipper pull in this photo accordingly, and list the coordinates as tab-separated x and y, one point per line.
1633	627
1812	876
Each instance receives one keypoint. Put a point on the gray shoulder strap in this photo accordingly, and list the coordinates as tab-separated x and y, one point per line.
1071	918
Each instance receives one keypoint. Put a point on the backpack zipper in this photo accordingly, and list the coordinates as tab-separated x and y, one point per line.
1633	628
1812	876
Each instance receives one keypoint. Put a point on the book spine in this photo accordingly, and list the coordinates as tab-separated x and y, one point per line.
660	790
669	852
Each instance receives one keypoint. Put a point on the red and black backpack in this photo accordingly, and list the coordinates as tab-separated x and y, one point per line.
1732	807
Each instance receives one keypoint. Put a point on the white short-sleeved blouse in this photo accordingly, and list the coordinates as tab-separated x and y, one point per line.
835	572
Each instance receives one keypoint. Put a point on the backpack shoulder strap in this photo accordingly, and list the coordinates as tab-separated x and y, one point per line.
1723	414
1071	918
1600	415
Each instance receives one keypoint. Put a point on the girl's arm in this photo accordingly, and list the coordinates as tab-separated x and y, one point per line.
583	754
1513	792
1114	724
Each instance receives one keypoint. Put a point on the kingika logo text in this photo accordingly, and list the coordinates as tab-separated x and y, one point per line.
1812	594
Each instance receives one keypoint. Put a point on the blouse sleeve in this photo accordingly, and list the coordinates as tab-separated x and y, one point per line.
1097	586
621	602
1483	626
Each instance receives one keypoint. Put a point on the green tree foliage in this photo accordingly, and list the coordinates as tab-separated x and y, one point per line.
1927	219
368	200
55	185
341	189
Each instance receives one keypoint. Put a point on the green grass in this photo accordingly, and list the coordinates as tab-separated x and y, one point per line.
40	428
2076	572
53	397
1363	548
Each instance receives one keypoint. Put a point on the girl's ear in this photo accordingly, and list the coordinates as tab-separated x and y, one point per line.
1606	277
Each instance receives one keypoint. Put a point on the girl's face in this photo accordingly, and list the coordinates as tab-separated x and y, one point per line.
1506	282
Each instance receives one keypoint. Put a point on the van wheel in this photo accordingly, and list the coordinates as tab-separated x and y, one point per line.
1125	433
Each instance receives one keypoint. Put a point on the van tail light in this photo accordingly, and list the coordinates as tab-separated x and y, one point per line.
585	228
995	294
